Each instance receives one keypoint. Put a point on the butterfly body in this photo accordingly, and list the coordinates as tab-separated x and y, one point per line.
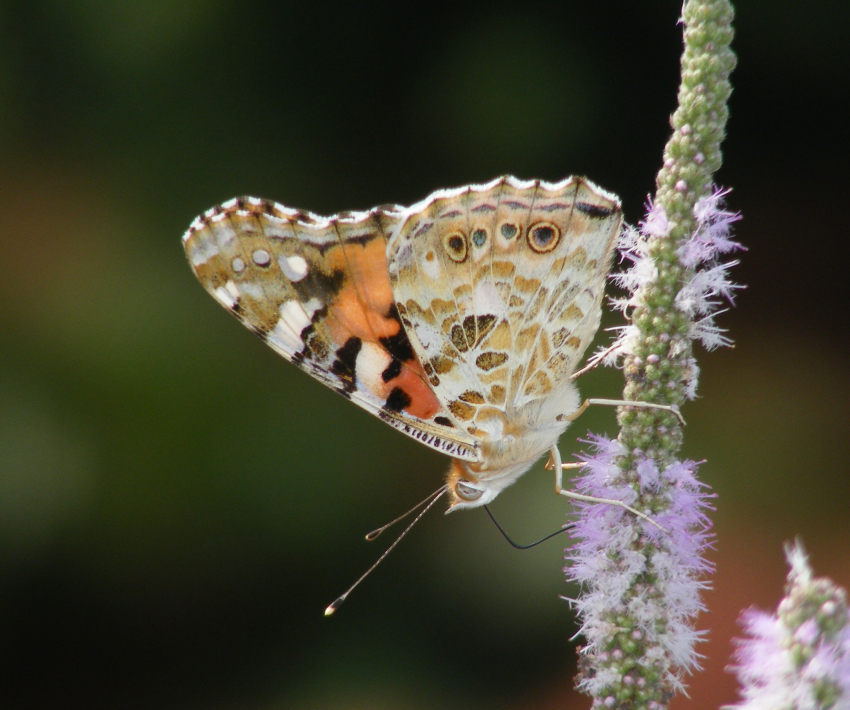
459	320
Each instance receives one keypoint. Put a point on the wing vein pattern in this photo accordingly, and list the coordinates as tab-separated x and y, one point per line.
317	291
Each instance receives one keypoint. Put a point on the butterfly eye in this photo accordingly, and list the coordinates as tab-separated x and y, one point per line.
467	491
455	245
543	237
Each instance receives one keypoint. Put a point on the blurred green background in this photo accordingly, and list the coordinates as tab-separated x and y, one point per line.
178	505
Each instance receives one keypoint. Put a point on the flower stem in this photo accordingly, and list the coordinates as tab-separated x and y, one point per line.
641	587
660	366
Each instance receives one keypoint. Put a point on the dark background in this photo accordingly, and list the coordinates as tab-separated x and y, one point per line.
178	505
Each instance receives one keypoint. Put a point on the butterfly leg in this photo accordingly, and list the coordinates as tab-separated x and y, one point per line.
555	463
595	361
624	403
550	464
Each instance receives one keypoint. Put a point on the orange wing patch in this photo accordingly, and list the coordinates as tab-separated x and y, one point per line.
366	296
318	292
364	320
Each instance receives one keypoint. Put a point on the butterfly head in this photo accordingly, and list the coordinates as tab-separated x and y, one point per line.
468	488
509	451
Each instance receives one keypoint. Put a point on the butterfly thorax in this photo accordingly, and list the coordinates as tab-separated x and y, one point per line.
528	433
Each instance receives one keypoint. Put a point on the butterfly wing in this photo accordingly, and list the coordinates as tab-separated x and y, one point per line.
316	290
500	287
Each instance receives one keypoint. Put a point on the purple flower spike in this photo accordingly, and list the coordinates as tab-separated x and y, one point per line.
641	575
798	658
606	560
706	285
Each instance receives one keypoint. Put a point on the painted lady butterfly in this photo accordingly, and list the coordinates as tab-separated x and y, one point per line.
459	320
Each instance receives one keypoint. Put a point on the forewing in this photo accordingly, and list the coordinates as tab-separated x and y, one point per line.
316	290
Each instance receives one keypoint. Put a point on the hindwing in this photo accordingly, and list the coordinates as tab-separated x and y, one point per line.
500	288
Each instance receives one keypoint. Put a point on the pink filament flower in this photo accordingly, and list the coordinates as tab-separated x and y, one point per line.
799	657
608	563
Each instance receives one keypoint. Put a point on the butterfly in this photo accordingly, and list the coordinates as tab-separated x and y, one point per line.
460	320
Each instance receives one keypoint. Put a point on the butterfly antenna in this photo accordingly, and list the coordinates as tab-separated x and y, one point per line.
516	545
433	498
374	534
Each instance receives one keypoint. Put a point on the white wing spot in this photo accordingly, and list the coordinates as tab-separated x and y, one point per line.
310	307
227	295
432	267
202	250
238	265
254	290
261	257
371	361
486	299
287	331
295	316
294	267
284	337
